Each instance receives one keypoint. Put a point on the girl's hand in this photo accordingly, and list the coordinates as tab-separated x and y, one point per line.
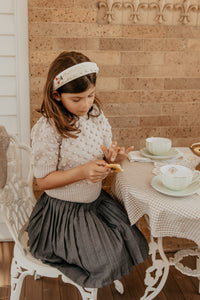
114	153
96	170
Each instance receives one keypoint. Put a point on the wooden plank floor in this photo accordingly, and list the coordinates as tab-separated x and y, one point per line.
177	287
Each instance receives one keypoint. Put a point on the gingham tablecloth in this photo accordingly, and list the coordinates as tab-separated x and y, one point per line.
168	216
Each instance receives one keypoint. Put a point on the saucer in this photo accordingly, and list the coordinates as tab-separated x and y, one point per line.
157	184
170	154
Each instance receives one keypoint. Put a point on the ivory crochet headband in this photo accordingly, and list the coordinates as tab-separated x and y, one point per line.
74	72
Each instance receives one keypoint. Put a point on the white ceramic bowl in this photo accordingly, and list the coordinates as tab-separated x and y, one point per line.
177	177
158	145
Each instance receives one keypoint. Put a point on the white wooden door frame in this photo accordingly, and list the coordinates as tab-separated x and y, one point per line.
22	70
22	84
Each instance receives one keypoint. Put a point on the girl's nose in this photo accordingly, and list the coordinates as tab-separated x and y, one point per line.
86	103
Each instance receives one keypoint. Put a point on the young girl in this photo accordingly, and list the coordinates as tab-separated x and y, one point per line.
76	226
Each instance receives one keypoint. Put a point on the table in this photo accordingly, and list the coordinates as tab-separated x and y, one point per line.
166	217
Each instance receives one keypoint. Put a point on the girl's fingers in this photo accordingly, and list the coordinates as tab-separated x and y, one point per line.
114	154
113	151
101	163
112	147
97	178
129	149
101	168
122	150
104	149
109	152
114	144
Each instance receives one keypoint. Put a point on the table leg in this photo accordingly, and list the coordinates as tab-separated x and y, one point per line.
159	268
176	262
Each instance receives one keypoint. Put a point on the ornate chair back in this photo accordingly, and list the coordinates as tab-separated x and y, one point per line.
16	196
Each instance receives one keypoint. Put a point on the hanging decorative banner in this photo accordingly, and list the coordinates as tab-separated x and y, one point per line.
146	12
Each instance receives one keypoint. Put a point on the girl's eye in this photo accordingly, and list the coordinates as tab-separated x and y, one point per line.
75	100
92	95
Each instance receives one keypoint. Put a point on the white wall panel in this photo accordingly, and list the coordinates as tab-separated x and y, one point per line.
7	66
7	45
10	123
9	20
6	5
7	86
8	106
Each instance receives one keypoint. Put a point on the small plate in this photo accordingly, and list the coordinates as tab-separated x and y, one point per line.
157	184
171	154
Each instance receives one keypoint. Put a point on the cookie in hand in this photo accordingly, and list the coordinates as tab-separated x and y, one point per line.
115	167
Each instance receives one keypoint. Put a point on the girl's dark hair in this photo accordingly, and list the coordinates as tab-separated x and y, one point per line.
54	110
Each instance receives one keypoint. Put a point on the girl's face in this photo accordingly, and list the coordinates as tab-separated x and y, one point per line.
78	104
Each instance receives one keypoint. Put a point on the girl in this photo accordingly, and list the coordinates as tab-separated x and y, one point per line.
76	226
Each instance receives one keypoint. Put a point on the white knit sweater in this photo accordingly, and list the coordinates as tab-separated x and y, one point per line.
51	153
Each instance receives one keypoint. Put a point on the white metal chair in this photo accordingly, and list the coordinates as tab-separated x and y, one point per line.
16	203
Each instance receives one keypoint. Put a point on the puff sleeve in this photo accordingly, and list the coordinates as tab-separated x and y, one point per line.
45	148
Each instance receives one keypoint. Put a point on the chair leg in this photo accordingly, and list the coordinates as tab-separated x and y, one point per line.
198	268
17	277
86	293
119	286
89	293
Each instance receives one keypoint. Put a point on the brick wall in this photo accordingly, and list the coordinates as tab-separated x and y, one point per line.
149	80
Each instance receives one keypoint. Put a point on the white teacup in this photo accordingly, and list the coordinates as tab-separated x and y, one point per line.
176	177
158	145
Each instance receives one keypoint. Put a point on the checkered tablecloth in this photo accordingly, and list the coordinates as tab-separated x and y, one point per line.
168	216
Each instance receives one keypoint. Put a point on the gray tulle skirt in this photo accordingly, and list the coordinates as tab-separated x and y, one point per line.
91	243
